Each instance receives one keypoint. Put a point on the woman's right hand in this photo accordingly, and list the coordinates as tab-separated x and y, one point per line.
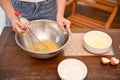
19	27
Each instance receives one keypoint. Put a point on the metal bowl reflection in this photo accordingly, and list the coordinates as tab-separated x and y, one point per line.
47	30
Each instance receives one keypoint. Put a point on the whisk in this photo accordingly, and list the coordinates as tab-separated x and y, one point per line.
37	44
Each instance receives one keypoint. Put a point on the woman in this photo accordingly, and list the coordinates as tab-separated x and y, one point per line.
34	10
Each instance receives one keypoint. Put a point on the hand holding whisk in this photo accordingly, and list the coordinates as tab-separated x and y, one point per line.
37	44
23	25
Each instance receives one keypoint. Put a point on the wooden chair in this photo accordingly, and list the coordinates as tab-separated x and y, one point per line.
81	21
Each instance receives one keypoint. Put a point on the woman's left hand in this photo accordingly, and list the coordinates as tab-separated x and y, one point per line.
64	24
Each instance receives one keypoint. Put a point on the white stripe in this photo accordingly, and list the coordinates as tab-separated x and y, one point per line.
32	0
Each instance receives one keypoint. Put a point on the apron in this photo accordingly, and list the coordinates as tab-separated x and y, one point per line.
35	10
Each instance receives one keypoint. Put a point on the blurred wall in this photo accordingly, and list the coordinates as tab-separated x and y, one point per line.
2	20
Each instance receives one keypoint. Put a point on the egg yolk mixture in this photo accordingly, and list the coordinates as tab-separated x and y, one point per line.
43	46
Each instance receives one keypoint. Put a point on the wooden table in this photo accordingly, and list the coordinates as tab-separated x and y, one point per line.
15	64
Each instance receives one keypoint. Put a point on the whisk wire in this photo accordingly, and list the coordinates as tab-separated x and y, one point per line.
42	46
38	44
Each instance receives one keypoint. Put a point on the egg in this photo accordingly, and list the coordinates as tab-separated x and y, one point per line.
114	61
105	60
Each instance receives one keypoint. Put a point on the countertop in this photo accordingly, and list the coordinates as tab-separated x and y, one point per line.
15	64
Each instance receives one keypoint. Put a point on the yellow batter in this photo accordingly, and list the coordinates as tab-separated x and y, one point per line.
97	43
44	46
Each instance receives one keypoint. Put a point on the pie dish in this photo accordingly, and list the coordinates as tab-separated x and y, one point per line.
72	69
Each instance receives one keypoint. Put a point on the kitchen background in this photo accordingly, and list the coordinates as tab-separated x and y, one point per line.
3	20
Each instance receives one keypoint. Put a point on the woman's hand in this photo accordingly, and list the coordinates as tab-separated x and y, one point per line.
64	24
19	26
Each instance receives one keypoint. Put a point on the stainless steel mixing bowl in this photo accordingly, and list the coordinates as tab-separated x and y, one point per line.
43	29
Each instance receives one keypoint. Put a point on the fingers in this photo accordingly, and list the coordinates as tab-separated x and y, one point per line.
68	26
19	27
27	26
25	22
64	24
63	28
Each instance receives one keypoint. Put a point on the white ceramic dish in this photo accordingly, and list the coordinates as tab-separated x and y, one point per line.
97	42
72	69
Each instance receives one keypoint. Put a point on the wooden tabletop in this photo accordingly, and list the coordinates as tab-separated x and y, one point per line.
15	64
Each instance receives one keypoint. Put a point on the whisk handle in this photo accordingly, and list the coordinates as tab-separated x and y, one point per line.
23	20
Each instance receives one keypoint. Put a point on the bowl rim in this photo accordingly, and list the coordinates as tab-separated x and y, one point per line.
62	63
99	32
69	37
